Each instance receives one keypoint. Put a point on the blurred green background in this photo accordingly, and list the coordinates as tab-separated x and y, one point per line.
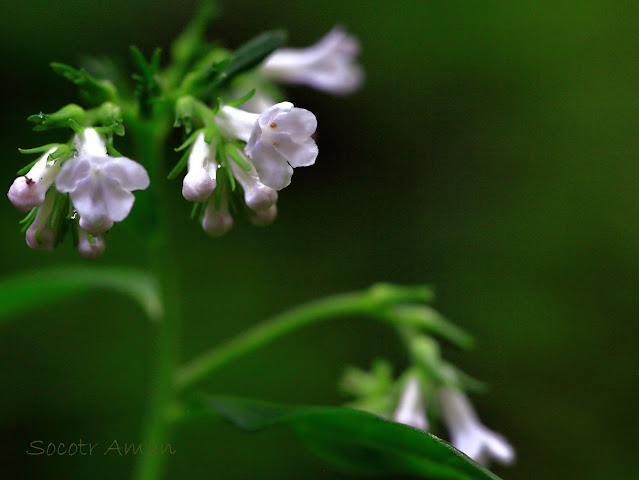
492	152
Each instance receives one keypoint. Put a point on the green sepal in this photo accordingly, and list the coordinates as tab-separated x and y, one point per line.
184	109
60	152
41	149
227	169
115	128
189	141
242	99
181	165
231	150
427	319
93	90
197	211
25	170
28	219
111	150
58	119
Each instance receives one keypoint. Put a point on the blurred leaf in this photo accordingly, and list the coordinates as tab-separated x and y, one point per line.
27	291
92	89
354	441
249	55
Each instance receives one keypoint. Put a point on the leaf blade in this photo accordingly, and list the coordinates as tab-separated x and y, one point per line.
32	290
355	441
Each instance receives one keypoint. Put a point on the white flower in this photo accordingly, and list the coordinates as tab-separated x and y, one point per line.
28	191
329	65
264	218
90	248
257	196
217	222
277	140
410	410
468	434
200	181
100	185
39	236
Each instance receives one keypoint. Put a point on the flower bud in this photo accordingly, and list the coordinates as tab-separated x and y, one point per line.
29	190
90	247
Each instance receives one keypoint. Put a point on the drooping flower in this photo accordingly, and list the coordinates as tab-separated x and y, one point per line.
100	185
217	221
29	190
90	247
468	434
40	236
264	218
410	409
200	181
329	65
257	196
277	140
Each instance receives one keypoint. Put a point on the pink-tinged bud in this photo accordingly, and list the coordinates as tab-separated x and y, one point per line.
28	191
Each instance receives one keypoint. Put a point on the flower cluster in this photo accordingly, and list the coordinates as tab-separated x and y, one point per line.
466	431
429	388
236	160
255	151
86	190
409	399
257	147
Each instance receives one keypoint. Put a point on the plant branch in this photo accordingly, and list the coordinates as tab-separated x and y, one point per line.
370	302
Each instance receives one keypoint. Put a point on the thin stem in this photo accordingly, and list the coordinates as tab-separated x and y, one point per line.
150	138
368	302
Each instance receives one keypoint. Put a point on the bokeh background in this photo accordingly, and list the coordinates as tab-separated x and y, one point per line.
492	153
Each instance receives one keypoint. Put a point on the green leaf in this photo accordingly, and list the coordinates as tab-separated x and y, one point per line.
248	56
354	441
32	290
95	91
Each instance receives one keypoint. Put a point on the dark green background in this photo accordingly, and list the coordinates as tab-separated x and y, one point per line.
492	152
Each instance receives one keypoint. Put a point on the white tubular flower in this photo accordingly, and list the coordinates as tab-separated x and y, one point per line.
39	236
278	140
99	185
468	434
264	218
329	65
410	410
257	196
28	191
90	248
200	181
217	222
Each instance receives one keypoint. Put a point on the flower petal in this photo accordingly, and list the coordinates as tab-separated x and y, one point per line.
87	198
72	172
297	154
299	123
118	201
130	174
272	168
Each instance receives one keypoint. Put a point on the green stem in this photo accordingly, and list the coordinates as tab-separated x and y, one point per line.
149	137
368	302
